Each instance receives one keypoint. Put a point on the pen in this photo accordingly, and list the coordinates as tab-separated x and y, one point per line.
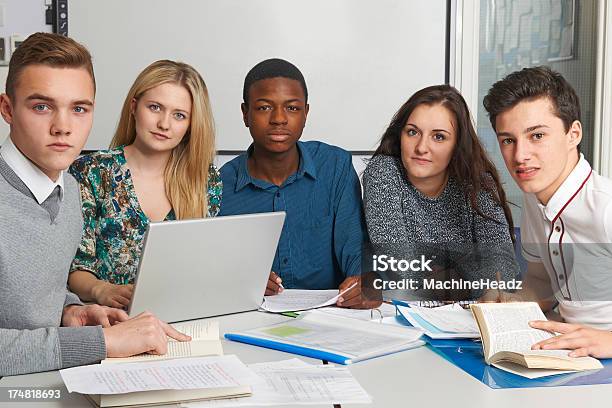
344	291
347	289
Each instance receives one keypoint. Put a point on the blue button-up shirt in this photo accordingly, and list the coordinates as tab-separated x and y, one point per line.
324	229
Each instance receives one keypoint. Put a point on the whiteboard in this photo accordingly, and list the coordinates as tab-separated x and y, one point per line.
361	58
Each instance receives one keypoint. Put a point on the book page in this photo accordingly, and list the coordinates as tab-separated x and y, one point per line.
181	374
508	326
176	349
199	329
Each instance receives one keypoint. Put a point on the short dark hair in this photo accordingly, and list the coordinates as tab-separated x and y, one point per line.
530	84
272	68
48	49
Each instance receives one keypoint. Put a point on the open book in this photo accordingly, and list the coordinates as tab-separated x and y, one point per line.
204	342
507	339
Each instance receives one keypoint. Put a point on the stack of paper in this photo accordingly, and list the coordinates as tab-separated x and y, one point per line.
294	382
444	322
167	381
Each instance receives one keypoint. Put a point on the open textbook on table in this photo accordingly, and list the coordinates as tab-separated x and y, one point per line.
507	339
204	342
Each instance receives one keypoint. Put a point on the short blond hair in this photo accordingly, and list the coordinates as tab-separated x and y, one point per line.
48	49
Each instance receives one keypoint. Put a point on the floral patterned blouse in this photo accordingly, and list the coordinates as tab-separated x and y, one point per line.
113	222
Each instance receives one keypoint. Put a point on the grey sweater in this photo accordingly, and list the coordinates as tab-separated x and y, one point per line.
401	219
35	254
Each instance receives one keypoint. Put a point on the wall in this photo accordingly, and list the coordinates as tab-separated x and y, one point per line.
361	58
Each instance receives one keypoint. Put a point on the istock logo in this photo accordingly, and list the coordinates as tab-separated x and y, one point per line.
384	263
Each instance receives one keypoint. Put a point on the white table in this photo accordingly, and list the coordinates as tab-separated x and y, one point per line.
421	377
416	377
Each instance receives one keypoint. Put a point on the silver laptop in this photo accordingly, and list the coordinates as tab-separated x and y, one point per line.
199	268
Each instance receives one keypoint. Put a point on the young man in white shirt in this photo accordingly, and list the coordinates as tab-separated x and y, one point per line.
567	207
48	104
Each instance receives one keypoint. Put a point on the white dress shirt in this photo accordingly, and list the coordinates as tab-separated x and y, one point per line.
572	236
37	182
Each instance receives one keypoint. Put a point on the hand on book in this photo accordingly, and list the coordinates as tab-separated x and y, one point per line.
584	341
358	295
144	333
92	315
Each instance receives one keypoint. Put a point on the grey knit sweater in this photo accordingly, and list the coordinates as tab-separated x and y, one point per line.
401	219
35	255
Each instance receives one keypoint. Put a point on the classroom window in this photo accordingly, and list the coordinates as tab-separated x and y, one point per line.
515	34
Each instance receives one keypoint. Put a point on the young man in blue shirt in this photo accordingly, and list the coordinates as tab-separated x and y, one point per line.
313	182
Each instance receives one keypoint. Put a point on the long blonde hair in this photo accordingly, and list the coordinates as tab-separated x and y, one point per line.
186	174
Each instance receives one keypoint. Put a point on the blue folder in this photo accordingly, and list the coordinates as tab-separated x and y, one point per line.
467	355
290	348
471	360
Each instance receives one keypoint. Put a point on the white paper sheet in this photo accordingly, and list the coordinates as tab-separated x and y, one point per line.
180	374
293	300
450	318
293	382
445	322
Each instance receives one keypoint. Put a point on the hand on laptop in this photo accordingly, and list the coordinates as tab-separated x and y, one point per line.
355	298
582	340
144	333
109	294
92	315
274	286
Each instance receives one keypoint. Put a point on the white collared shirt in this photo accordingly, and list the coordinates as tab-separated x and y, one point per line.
37	182
572	236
